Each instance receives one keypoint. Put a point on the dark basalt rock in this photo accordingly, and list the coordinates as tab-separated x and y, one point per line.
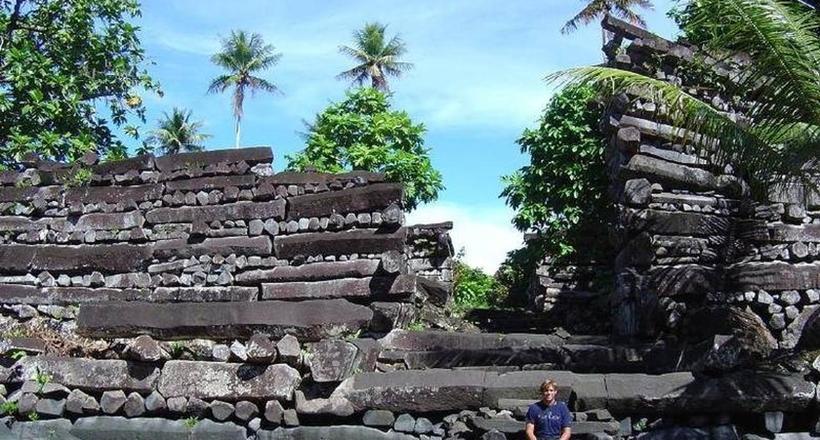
331	432
111	258
89	375
228	381
308	320
311	272
184	161
230	211
110	194
210	183
365	199
341	243
121	428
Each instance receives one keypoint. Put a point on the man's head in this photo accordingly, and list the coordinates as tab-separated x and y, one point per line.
549	391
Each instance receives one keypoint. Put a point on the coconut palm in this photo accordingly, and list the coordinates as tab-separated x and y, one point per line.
243	54
376	56
176	133
779	137
598	9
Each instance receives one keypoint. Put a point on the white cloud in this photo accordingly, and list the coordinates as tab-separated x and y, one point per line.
485	233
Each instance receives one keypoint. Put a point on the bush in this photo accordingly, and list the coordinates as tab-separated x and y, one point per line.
473	288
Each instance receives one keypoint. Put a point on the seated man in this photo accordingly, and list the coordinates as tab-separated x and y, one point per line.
548	419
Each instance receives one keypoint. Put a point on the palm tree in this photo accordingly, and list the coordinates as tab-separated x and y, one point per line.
779	137
377	58
598	9
176	133
242	55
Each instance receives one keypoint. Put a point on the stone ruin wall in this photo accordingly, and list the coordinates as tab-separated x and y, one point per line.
691	239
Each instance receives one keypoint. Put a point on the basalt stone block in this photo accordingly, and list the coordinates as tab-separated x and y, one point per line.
113	194
28	194
107	222
363	199
230	211
180	248
245	410
251	156
112	401
311	272
308	320
202	294
441	349
773	276
580	391
332	360
331	432
671	173
637	192
678	223
362	241
142	162
415	390
121	428
81	403
50	407
134	405
211	183
228	381
303	178
41	429
89	375
689	279
20	224
21	294
340	288
111	258
333	406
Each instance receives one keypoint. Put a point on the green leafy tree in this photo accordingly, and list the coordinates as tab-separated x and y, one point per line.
473	288
778	139
561	193
70	70
176	133
363	133
378	57
243	54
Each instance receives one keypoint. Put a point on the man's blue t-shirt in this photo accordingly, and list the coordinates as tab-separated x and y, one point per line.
549	420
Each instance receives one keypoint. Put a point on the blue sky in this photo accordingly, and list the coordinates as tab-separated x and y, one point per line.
477	83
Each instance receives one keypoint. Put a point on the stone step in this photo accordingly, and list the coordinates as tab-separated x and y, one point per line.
90	375
682	393
402	286
15	258
310	272
22	294
121	428
331	432
307	320
228	381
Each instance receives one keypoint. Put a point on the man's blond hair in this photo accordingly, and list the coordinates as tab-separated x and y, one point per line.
549	383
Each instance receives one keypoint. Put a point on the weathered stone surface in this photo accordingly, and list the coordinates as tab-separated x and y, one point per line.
378	417
333	406
773	276
230	382
332	360
81	403
220	410
390	315
210	183
789	233
686	279
230	211
671	173
121	428
109	194
363	199
637	192
202	294
300	178
145	349
311	272
27	194
331	432
111	258
261	349
308	320
274	412
199	159
440	349
588	390
88	375
339	243
245	410
112	401
43	429
240	245
113	221
155	403
678	223
18	294
134	405
289	350
339	288
50	407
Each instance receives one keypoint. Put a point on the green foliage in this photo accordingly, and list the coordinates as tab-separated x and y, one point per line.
176	133
377	57
474	289
18	354
363	133
191	422
417	326
243	54
515	272
62	63
41	378
562	192
78	176
8	407
177	348
33	416
597	9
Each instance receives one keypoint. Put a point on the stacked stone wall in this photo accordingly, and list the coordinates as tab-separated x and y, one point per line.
692	238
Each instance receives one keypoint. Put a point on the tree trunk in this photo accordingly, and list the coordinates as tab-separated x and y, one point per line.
237	132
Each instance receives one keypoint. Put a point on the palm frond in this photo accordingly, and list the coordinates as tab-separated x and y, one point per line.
591	11
257	83
221	83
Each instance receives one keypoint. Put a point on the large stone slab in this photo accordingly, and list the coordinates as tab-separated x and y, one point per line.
307	320
110	258
251	156
360	241
113	194
340	288
121	428
415	390
368	198
27	194
241	245
311	272
202	294
671	173
580	391
330	432
789	233
89	375
773	276
228	381
441	349
113	221
678	223
21	294
142	162
302	178
683	280
210	183
274	209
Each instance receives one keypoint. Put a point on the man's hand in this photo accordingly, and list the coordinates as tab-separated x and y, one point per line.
530	432
565	433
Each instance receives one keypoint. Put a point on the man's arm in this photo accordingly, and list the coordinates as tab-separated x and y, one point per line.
565	433
530	431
